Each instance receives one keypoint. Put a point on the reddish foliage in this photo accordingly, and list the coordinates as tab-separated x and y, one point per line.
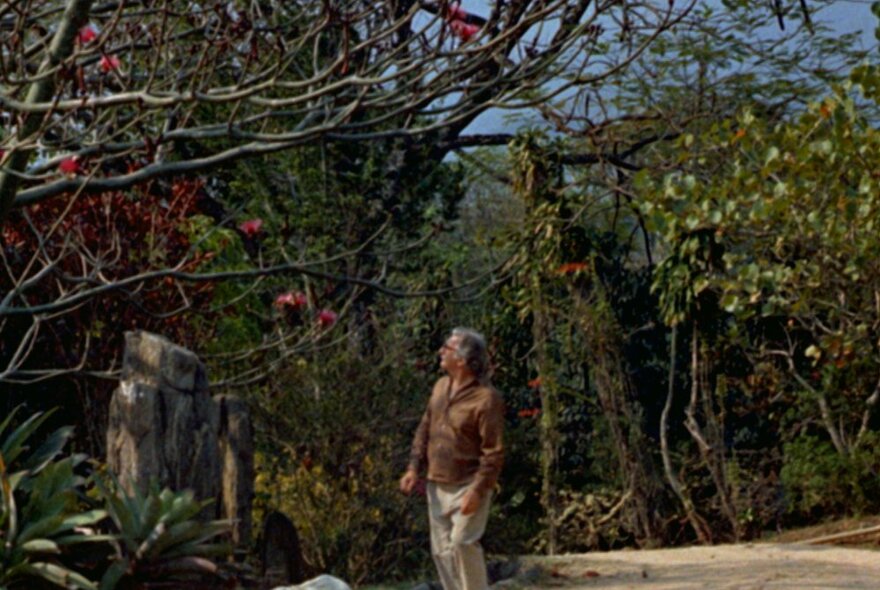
571	267
101	239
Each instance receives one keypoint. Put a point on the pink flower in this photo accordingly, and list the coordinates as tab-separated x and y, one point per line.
69	166
326	318
87	34
295	300
109	62
251	227
463	30
455	12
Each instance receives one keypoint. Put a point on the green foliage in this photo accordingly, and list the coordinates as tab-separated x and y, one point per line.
819	481
785	227
159	537
770	229
46	522
39	508
337	425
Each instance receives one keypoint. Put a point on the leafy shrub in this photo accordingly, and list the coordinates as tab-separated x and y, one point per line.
818	480
39	509
159	537
353	522
47	511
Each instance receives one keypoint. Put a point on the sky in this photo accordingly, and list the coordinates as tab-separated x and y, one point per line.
843	15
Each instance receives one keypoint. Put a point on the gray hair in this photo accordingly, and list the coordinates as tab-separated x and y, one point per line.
472	348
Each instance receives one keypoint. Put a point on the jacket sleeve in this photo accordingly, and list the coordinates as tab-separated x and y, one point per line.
418	455
491	427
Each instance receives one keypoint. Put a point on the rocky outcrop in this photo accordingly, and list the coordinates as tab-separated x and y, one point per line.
237	468
280	552
165	427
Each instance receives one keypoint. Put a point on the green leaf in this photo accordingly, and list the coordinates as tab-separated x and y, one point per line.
59	575
84	519
40	546
114	574
13	445
49	449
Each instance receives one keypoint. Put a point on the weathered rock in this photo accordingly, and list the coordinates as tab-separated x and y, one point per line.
163	424
280	551
133	448
165	427
237	453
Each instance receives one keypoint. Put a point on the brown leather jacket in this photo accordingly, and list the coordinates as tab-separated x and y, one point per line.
460	436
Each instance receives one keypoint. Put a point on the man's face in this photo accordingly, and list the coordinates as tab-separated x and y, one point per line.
449	359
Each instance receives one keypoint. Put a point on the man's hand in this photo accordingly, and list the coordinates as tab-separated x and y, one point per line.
408	481
470	502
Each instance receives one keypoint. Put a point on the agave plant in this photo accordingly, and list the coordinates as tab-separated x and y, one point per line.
159	537
40	512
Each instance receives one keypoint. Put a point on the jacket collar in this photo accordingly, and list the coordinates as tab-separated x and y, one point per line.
456	395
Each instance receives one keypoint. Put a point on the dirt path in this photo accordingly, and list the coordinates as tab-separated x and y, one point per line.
724	567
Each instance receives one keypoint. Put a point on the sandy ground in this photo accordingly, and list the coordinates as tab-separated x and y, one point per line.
723	567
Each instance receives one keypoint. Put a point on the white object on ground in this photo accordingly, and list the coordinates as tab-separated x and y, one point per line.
322	582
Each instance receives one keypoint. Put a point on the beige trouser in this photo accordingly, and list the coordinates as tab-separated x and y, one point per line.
455	539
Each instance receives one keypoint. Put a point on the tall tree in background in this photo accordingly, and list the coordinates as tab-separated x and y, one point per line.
100	98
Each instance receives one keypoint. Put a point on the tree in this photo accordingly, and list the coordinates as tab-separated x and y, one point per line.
123	93
776	250
101	98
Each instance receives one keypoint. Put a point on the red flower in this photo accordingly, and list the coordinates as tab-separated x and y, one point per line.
463	30
571	267
87	34
535	383
69	166
326	318
455	12
529	413
109	62
251	227
296	300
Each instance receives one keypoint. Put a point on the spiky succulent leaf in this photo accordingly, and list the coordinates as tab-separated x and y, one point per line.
13	445
59	575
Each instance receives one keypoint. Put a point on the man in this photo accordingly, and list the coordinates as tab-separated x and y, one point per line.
459	441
